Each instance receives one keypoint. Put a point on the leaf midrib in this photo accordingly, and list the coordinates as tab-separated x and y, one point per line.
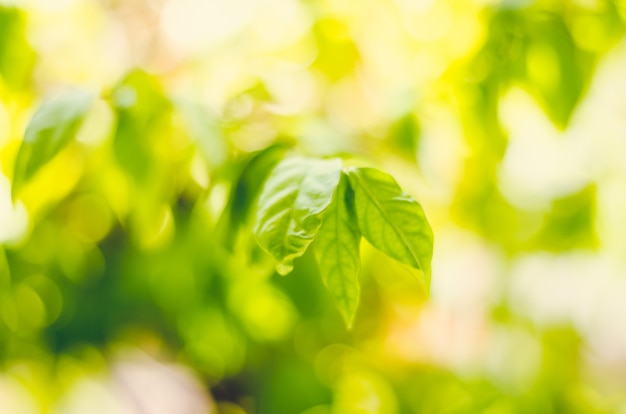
384	214
338	245
291	216
339	263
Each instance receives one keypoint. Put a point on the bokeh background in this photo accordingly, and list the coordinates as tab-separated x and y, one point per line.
129	279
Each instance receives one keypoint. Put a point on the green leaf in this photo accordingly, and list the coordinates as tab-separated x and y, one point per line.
391	220
17	57
292	202
337	251
204	130
52	127
143	124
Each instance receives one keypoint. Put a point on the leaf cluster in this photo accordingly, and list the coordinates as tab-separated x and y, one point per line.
307	199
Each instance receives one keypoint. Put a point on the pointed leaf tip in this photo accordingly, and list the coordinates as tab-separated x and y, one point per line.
391	220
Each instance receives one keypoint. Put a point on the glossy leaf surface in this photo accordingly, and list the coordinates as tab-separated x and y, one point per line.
337	251
391	220
292	202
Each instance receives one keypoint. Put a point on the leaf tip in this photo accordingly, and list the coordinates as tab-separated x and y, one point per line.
284	267
348	320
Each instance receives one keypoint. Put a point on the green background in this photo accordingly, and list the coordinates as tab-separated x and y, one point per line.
130	280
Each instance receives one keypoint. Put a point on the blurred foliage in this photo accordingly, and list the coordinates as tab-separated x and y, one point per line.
132	227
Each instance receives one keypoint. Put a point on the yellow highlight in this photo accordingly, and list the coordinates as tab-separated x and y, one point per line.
543	65
53	182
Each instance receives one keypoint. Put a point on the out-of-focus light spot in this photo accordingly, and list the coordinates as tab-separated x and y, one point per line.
216	201
555	290
581	289
278	24
67	37
13	218
350	105
467	34
117	190
588	32
600	118
213	342
159	388
240	107
428	65
322	137
53	182
156	229
199	170
14	399
88	218
543	65
9	313
441	151
295	91
308	338
49	6
50	296
419	6
429	20
219	82
540	163
71	256
200	129
301	54
265	311
467	271
610	217
385	50
254	136
331	363
194	26
125	96
589	4
95	396
605	331
5	125
454	339
513	359
363	393
98	125
30	306
136	384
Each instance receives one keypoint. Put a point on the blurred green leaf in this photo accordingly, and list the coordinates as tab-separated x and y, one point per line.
16	56
134	256
248	184
391	220
570	223
52	127
556	71
143	121
291	205
532	47
204	130
337	250
404	135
